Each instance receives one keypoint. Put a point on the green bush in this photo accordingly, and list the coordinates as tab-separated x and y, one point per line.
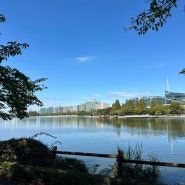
66	163
19	148
16	174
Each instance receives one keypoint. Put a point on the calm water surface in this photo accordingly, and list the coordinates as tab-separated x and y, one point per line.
164	138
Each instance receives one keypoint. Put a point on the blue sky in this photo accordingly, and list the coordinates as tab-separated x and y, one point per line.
83	50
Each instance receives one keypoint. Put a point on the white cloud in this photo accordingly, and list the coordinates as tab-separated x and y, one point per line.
83	59
161	65
127	95
97	95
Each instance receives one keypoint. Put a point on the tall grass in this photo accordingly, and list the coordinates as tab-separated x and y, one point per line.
137	173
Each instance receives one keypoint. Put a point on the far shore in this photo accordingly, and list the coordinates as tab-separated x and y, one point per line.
139	116
121	117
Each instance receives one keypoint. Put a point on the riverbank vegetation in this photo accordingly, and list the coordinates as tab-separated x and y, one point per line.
131	107
19	168
139	107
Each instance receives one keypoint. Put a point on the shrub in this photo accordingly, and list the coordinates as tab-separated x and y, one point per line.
66	163
16	174
19	148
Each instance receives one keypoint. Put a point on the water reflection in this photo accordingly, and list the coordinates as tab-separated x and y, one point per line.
164	137
174	128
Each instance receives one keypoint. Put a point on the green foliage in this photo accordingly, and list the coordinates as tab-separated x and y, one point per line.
33	113
116	106
84	113
153	104
11	49
17	91
128	108
176	108
68	170
93	169
157	109
134	107
140	107
105	111
137	173
155	17
66	163
182	71
16	170
14	173
19	147
2	18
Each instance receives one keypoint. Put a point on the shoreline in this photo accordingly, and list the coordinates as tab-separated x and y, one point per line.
119	117
136	116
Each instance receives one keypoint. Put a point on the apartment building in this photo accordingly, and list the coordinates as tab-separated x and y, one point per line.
88	106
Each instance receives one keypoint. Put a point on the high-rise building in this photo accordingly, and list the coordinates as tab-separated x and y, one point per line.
88	106
81	107
100	105
157	99
175	96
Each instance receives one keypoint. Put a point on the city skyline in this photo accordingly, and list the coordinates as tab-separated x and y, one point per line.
84	51
96	105
87	106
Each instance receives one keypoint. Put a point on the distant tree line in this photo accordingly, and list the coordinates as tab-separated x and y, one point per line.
139	107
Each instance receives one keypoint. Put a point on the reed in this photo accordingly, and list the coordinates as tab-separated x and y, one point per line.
137	173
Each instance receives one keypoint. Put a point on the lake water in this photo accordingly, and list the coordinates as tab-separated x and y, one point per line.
161	137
